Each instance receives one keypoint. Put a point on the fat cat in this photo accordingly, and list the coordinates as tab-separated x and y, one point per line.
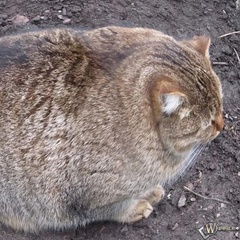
94	123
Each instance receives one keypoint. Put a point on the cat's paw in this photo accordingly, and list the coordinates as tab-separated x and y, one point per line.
155	195
139	209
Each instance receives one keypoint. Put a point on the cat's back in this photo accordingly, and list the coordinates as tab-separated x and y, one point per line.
65	67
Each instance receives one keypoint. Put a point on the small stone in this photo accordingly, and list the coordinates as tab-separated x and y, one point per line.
182	201
169	195
190	186
223	205
64	11
19	20
124	229
210	207
239	174
218	215
43	18
200	173
193	199
36	19
60	16
67	21
175	226
211	167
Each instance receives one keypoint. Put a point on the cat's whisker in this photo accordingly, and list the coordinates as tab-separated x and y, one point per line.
189	161
192	158
196	152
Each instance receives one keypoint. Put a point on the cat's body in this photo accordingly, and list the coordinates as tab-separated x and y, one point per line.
92	123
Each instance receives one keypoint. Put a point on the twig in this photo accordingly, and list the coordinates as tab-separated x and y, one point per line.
220	63
205	197
227	34
236	54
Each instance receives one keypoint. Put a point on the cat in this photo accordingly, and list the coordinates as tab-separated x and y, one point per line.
94	123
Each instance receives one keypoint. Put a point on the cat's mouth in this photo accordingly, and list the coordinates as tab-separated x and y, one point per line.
214	136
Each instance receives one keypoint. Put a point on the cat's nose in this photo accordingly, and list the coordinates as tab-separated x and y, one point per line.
218	122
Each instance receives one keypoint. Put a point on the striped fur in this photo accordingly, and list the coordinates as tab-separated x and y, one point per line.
83	131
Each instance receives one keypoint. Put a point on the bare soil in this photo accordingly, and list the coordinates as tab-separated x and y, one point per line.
217	171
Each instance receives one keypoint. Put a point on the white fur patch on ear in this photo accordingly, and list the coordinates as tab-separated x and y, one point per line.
171	102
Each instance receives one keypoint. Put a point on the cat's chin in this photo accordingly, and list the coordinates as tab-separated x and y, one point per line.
184	149
211	137
215	135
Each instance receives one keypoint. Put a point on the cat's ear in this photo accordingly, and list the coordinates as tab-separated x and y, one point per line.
200	44
167	95
171	102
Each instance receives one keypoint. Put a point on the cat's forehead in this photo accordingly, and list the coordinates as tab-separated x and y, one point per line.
209	90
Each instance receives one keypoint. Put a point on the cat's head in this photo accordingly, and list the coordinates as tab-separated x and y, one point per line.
187	101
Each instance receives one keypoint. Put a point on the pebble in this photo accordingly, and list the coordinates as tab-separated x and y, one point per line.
223	205
67	21
43	17
212	167
182	201
169	195
64	11
36	19
60	16
190	186
19	20
124	229
175	226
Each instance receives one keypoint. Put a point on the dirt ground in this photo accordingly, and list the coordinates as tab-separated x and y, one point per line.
217	171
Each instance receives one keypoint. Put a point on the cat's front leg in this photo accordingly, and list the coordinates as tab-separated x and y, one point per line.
133	210
154	196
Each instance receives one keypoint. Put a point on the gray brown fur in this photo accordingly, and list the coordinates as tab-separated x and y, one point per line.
83	135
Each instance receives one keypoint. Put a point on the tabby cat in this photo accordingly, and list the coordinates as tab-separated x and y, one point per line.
94	123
